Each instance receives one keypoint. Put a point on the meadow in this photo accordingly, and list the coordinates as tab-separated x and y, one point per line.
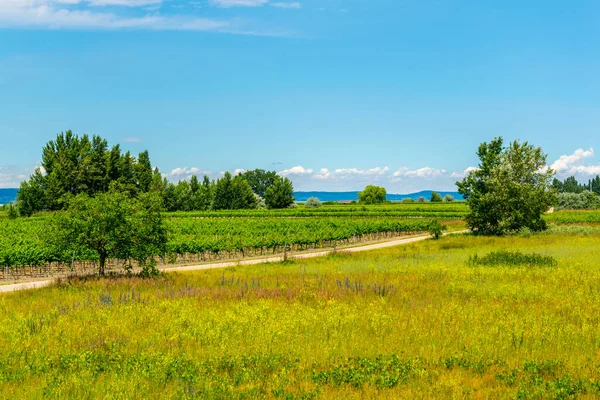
460	317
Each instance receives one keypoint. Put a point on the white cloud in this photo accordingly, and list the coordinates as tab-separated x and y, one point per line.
238	171
185	173
239	3
349	173
57	14
464	173
425	172
294	4
298	170
132	139
571	164
126	3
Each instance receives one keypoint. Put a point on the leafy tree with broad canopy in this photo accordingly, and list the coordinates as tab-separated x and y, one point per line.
260	180
372	195
280	194
510	190
113	225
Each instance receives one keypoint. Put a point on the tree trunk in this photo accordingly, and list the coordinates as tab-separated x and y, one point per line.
102	264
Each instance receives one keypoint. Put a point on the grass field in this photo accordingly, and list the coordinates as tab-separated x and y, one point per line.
428	320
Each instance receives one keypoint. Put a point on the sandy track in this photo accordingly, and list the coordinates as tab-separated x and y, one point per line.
368	247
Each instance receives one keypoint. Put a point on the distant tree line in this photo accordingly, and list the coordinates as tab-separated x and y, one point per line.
573	195
571	185
72	165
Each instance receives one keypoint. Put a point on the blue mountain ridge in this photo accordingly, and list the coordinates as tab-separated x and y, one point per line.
341	196
7	196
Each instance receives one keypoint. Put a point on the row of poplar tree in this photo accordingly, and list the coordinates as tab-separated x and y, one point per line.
73	165
572	185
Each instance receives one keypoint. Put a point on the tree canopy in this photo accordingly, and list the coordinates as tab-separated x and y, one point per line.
280	194
113	225
73	165
372	195
436	197
510	190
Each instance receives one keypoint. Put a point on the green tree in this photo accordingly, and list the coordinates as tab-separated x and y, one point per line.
143	172
436	197
223	193
280	194
77	164
511	189
448	198
571	185
32	196
372	195
421	199
260	180
113	225
242	196
595	185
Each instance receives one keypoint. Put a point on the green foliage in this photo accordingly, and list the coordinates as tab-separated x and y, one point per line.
280	194
421	199
436	229
510	190
512	259
372	195
408	200
585	200
112	225
436	197
12	212
73	165
233	194
383	372
260	180
313	202
448	198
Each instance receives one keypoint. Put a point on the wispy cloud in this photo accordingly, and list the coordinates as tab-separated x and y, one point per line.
238	3
133	139
47	14
280	4
255	3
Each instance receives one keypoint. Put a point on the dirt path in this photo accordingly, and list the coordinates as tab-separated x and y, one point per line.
322	253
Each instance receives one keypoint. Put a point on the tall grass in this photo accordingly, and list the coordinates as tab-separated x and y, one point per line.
418	321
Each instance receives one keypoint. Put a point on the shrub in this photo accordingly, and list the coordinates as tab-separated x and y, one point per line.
12	211
313	202
421	199
436	197
260	201
436	229
585	200
512	259
408	200
448	198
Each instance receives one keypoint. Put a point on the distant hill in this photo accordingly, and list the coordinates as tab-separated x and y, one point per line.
339	196
7	196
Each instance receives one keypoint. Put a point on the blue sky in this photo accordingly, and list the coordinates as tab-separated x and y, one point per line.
335	94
